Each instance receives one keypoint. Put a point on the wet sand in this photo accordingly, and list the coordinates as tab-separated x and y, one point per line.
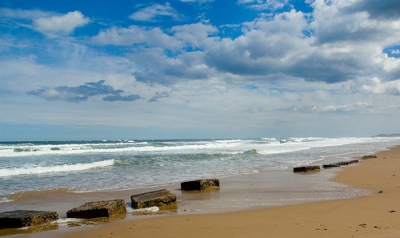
238	209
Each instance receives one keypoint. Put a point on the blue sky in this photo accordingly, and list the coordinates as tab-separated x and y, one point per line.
198	69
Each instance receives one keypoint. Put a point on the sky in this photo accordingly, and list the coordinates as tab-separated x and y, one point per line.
191	69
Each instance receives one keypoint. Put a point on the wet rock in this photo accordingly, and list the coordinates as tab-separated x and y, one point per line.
98	209
158	198
199	184
327	166
338	164
306	169
369	157
23	218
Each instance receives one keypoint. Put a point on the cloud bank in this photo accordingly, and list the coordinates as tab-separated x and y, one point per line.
83	93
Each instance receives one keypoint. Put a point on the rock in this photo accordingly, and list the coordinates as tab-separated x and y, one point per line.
327	166
306	169
199	184
338	164
369	157
343	163
23	218
158	198
98	209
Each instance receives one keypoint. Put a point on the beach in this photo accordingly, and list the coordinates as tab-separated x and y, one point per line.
370	210
375	215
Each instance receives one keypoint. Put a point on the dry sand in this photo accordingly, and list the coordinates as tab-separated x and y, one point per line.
376	215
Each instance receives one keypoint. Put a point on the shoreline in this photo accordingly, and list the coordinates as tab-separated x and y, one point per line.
376	215
189	202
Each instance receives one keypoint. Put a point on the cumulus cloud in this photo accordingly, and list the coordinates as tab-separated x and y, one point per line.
63	25
169	71
330	45
154	11
377	86
196	35
189	35
83	93
377	9
266	47
153	37
334	24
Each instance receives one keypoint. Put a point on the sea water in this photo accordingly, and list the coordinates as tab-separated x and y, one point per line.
84	166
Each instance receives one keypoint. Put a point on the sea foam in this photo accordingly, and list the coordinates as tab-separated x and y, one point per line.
55	169
5	199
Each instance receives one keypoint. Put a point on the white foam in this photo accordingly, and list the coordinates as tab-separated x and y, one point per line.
184	147
147	209
269	145
5	199
55	169
67	220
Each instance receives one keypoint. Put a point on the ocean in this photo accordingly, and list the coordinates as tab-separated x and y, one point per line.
104	165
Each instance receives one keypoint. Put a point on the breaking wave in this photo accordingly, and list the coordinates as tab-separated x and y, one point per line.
55	169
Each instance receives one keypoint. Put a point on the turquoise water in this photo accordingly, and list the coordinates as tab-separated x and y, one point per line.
127	164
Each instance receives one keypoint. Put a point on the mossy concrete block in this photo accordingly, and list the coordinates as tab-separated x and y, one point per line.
158	198
306	169
23	218
369	157
98	209
200	184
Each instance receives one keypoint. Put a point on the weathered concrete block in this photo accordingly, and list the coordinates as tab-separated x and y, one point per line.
98	209
347	162
199	184
327	166
338	164
369	157
306	169
23	218
343	163
158	198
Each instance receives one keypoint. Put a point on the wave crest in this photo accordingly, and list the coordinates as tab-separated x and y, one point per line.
55	169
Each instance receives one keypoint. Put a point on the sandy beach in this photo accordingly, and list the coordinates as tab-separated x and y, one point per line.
373	210
376	215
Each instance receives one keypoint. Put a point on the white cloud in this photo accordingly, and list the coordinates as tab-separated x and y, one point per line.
395	52
152	12
266	47
23	14
377	86
382	10
264	4
358	106
334	24
195	35
63	25
339	46
269	46
192	35
153	37
120	36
